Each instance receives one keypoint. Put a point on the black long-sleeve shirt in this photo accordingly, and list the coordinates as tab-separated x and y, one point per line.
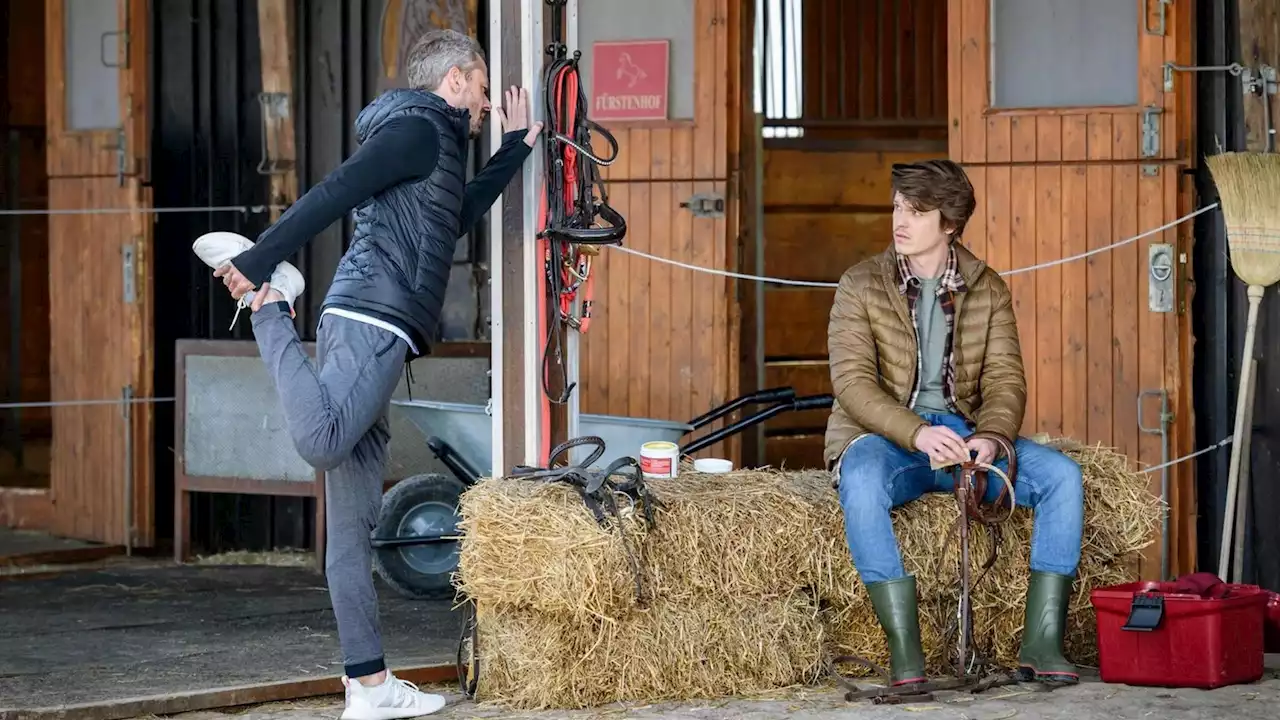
405	149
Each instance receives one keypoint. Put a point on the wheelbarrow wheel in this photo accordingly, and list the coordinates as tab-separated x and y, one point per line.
416	506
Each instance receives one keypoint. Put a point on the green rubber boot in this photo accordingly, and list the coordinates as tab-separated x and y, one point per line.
895	604
1042	632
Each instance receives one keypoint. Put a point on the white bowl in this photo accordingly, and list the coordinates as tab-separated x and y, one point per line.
712	465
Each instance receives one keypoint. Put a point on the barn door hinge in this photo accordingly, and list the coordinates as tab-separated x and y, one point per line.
129	268
1161	6
707	205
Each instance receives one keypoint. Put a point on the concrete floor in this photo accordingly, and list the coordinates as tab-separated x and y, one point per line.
1091	700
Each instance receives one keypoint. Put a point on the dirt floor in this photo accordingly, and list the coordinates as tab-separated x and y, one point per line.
125	630
1091	700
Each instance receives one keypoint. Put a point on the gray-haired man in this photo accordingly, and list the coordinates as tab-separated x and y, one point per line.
407	185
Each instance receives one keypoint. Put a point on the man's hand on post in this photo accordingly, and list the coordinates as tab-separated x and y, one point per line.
517	114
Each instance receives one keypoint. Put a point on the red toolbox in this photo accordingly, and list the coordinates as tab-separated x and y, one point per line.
1272	644
1148	634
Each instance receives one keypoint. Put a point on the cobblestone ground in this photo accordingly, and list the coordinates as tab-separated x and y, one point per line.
1090	700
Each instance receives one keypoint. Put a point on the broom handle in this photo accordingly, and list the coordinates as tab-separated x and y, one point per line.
1242	507
1242	400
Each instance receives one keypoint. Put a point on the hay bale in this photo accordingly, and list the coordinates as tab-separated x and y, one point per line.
557	587
534	545
669	651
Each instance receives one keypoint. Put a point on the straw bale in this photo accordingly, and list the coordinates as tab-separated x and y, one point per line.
560	625
534	545
730	646
752	533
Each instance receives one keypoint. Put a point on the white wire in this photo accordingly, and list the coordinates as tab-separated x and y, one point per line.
807	283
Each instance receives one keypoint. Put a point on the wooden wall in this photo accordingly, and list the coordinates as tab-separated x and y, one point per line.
1054	183
662	337
874	69
874	94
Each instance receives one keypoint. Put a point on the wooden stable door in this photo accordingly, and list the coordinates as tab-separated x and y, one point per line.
1061	115
99	269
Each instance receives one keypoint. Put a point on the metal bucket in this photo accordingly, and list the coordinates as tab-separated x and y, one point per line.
468	429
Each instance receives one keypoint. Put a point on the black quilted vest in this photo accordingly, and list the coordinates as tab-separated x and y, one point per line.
397	266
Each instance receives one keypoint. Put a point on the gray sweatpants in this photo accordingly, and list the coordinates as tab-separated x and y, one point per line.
338	419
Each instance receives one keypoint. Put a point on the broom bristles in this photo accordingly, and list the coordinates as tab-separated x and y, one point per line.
1249	196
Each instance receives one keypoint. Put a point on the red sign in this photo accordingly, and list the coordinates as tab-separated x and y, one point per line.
630	79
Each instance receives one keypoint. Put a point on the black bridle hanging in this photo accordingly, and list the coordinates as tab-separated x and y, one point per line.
572	213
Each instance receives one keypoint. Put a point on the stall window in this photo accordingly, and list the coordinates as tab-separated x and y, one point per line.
93	40
1051	53
779	69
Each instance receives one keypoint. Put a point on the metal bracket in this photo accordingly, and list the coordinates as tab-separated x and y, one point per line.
128	265
1166	419
1161	6
1160	277
1235	69
706	205
1259	81
1151	130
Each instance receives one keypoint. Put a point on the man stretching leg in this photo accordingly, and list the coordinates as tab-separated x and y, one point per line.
924	352
407	185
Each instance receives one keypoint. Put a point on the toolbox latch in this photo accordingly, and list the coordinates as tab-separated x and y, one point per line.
1145	612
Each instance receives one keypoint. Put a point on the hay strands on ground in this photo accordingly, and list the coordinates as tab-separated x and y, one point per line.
1249	194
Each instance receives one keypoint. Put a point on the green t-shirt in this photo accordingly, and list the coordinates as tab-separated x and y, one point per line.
931	330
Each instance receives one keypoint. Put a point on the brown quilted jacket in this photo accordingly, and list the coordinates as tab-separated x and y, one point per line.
873	355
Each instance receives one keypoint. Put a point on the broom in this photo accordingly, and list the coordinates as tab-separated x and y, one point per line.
1249	191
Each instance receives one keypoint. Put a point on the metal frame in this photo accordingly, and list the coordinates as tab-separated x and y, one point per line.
184	485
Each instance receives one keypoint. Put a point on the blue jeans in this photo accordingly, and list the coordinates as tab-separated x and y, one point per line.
877	475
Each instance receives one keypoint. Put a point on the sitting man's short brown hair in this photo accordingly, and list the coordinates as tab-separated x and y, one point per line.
937	185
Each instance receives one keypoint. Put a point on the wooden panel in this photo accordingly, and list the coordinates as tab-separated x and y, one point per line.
872	66
659	341
973	122
1057	183
794	452
102	482
89	450
796	177
795	322
819	247
84	153
808	377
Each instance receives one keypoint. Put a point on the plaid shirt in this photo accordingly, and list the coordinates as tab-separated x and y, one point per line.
949	284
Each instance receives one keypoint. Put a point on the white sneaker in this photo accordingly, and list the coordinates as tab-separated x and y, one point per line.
215	249
394	699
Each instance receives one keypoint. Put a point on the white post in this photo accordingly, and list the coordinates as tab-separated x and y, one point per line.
574	337
496	376
531	61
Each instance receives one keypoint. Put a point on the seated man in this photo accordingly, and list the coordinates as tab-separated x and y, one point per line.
924	352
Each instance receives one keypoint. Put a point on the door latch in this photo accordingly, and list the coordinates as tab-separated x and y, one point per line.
706	205
1160	274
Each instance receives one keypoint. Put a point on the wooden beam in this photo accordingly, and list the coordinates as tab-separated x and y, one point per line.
506	256
275	36
26	509
1259	45
223	697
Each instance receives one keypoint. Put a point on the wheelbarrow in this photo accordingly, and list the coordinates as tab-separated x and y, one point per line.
416	540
